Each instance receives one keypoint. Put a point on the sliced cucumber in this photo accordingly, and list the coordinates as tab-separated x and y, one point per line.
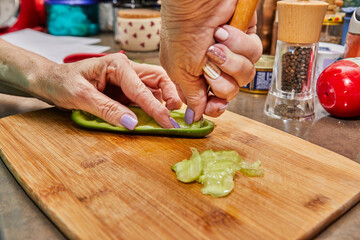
215	170
189	170
217	184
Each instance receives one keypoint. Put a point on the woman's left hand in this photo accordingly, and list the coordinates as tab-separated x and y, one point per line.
104	86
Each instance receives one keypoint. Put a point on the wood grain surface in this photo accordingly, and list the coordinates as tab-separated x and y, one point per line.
98	185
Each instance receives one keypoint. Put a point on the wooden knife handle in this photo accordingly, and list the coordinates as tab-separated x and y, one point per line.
244	11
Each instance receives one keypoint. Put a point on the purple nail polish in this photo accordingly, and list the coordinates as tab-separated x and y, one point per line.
174	123
189	116
223	107
128	121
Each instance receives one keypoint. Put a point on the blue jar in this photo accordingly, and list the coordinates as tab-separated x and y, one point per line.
72	17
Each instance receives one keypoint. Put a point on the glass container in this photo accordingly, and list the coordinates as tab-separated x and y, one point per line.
291	93
106	20
352	43
117	6
332	28
292	90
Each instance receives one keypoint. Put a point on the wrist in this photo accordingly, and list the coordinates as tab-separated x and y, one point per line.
23	70
40	80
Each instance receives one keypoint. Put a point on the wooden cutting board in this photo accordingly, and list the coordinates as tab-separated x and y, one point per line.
98	185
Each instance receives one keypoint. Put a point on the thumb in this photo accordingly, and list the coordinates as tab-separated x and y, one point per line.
110	110
195	93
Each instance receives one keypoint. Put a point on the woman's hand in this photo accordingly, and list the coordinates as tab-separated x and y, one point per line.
102	85
189	31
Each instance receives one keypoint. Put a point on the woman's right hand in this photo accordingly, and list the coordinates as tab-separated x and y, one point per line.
189	28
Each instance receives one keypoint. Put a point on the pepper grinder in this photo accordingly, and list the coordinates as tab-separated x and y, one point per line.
352	42
292	90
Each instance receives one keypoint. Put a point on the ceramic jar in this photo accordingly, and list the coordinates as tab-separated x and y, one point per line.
138	29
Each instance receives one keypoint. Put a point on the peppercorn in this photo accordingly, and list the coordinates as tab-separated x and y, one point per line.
295	69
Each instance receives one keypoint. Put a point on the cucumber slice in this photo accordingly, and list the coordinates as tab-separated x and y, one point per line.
252	169
215	170
189	170
224	161
146	125
217	184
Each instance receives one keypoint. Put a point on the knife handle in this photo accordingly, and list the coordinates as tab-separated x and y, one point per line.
243	13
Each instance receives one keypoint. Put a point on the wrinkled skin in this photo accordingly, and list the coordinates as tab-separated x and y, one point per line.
101	86
188	29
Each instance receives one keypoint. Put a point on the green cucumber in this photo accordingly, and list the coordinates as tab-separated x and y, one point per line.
217	184
146	124
189	170
215	170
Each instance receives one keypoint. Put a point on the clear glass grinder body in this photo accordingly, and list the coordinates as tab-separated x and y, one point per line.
291	94
292	90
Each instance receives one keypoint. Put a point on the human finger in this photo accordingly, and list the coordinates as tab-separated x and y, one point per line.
98	104
156	78
120	73
221	84
215	106
248	45
240	68
185	68
79	85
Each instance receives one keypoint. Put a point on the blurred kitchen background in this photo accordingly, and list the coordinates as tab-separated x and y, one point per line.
91	17
83	18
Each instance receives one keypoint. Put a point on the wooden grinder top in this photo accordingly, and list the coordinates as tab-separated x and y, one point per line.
300	21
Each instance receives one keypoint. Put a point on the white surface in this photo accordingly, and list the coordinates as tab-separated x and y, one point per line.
55	48
328	53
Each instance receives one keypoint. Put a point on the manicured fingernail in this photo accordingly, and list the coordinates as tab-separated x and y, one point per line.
223	108
128	121
216	54
212	70
174	123
221	34
189	116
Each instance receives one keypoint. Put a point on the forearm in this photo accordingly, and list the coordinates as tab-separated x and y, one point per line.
23	70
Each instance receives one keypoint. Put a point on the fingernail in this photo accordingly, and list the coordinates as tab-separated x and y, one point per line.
189	116
221	34
128	121
212	70
174	123
216	54
223	108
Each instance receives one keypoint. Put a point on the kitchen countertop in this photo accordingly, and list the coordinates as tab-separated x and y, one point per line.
20	218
